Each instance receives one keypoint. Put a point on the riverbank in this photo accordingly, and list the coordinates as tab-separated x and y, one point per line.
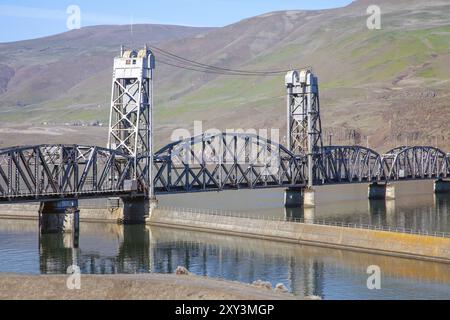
135	286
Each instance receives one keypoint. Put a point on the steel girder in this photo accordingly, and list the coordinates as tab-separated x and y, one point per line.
304	127
418	162
225	161
338	164
349	164
359	164
61	171
205	163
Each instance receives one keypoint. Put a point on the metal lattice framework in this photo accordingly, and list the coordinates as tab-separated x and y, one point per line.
204	163
304	127
418	162
339	164
297	115
62	171
130	127
225	161
350	164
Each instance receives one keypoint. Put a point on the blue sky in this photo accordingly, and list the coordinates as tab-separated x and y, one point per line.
26	19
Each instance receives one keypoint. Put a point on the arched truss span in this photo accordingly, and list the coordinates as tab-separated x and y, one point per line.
203	163
61	171
342	164
225	161
418	162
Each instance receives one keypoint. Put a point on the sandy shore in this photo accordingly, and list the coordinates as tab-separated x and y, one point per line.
142	286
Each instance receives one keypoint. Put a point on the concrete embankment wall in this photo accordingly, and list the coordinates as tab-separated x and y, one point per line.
88	213
373	241
20	211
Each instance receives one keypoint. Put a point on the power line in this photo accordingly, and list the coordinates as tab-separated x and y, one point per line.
202	65
192	68
187	64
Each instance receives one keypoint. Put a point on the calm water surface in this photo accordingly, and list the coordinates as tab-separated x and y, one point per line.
329	273
415	206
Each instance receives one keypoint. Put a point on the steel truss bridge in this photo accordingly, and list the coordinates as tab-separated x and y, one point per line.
205	163
214	162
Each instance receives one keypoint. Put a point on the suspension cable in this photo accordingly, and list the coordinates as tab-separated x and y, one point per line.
177	61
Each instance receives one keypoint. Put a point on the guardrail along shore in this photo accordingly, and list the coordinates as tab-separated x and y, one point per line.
382	240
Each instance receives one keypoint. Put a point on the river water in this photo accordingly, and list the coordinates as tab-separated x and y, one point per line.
305	270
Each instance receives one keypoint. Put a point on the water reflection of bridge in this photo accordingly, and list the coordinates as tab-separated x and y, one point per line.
139	248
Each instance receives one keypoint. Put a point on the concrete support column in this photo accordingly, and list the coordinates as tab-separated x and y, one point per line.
132	210
442	186
60	216
152	205
299	197
293	197
135	210
381	191
309	198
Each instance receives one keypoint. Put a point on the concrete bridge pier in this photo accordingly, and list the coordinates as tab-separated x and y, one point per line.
152	205
63	217
378	191
134	210
442	186
59	216
299	197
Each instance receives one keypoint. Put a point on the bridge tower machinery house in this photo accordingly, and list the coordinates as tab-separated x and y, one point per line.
131	115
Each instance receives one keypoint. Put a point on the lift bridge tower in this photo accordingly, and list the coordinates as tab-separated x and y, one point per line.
304	128
131	119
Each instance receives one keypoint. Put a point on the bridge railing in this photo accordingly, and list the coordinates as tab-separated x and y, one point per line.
323	222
